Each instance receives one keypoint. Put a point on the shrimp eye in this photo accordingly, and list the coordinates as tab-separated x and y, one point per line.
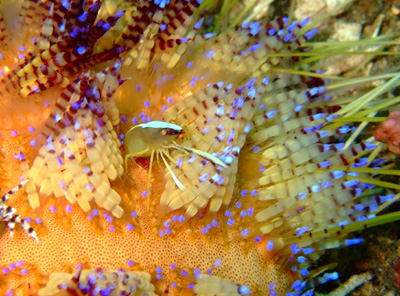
170	132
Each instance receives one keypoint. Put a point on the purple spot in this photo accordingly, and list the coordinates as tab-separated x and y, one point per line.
52	209
112	228
270	245
130	262
24	271
129	227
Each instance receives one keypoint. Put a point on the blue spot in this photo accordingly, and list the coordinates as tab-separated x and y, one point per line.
161	233
258	239
270	245
308	251
311	33
304	272
65	3
296	285
247	129
238	204
172	266
203	178
189	65
254	47
217	263
230	221
244	290
134	214
272	31
210	54
112	228
243	214
81	50
130	262
253	192
228	213
181	218
354	241
287	37
245	232
158	269
105	292
301	259
338	174
304	22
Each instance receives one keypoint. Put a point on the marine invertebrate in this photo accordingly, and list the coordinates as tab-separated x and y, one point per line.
261	216
387	132
154	138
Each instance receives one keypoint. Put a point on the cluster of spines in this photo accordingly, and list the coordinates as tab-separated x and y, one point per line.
81	124
99	282
63	48
9	216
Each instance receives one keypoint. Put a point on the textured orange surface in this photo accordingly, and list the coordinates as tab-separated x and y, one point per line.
66	243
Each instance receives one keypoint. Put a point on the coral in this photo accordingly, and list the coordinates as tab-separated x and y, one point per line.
387	132
268	180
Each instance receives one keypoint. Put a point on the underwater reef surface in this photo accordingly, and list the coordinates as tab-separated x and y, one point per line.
183	148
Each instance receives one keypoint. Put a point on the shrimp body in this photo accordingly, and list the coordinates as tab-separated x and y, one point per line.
156	138
143	138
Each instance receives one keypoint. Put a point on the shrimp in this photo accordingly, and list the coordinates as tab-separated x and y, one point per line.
156	138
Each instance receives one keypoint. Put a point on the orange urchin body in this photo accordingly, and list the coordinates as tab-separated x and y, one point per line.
251	223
